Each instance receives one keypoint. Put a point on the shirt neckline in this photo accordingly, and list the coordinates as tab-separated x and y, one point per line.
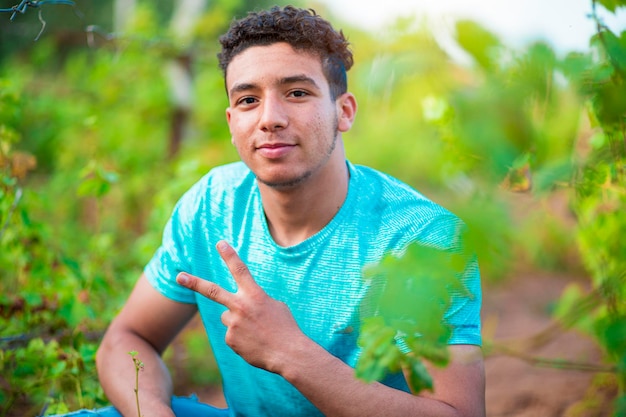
315	240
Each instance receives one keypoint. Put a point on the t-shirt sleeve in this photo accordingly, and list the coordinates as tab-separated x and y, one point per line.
447	233
173	255
464	312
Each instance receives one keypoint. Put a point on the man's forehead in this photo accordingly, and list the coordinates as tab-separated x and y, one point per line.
251	61
281	46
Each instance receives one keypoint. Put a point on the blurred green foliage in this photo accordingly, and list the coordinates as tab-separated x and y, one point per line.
411	297
551	129
526	146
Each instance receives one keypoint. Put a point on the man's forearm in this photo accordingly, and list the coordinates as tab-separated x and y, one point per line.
117	375
332	386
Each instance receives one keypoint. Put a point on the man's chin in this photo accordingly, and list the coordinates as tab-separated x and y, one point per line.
285	183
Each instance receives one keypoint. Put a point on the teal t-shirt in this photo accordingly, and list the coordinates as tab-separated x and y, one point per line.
319	279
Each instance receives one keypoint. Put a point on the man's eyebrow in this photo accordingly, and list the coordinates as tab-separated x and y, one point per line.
241	87
292	79
298	79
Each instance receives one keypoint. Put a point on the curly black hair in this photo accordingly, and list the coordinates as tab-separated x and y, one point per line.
302	29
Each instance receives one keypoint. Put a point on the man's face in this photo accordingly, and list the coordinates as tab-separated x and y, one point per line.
281	117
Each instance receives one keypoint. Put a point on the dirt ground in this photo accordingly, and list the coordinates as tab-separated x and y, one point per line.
517	309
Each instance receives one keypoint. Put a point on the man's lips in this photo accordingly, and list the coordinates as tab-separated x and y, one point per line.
275	150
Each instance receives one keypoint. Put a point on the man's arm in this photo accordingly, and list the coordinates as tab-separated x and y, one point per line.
259	326
147	324
332	386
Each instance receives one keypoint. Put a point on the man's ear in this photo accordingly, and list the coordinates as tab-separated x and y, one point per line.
346	111
228	121
228	115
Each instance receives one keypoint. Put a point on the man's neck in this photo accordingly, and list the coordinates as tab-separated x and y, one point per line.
295	214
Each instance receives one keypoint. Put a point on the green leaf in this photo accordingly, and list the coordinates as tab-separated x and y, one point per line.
534	71
481	44
96	181
551	174
33	299
74	312
611	331
576	67
58	368
59	408
615	49
609	103
598	140
376	340
419	378
612	5
408	320
436	353
88	351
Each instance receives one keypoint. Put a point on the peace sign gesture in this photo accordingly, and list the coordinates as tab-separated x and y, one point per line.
259	328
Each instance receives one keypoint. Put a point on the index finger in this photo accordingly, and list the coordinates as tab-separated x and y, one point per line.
238	269
209	289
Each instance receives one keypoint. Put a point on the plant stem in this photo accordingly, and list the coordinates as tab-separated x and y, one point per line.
138	366
137	387
551	362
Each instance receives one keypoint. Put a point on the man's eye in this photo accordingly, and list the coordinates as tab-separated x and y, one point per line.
299	93
247	100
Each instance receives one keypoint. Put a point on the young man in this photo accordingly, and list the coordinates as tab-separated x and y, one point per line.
270	251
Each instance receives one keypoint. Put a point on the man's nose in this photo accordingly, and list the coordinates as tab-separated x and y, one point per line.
273	114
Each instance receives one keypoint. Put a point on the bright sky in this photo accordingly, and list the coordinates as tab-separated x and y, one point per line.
563	23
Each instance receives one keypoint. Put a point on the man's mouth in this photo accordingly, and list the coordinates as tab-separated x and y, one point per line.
275	150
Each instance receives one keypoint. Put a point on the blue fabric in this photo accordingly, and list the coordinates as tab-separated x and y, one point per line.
319	279
182	406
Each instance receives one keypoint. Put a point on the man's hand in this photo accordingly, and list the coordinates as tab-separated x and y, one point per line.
258	326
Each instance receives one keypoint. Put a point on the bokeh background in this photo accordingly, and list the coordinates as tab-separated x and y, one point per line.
511	114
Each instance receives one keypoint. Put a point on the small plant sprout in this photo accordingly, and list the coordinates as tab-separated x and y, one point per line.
138	367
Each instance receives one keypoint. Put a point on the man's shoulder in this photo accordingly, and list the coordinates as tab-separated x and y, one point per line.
380	179
395	209
218	186
229	174
223	178
383	188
